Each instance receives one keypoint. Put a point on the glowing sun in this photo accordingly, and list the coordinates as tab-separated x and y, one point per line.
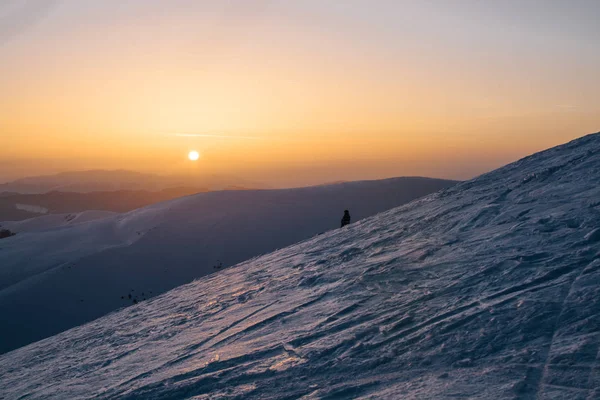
194	155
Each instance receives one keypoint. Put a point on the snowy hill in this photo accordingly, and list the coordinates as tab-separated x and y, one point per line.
488	289
54	276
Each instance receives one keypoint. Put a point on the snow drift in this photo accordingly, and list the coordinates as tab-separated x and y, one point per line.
488	289
56	273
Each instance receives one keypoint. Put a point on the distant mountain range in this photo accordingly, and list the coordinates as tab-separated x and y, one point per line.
113	180
103	190
16	207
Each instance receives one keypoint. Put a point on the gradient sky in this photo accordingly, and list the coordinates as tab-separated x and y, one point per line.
294	92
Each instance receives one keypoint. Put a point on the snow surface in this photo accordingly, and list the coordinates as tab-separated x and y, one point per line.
31	208
55	276
489	289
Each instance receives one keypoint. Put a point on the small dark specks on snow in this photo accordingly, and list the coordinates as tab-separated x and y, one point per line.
593	236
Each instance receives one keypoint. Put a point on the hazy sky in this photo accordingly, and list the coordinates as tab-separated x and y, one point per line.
294	92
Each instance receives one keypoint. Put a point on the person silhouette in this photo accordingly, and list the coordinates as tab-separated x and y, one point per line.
346	218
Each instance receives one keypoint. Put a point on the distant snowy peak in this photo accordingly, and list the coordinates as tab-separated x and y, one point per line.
31	208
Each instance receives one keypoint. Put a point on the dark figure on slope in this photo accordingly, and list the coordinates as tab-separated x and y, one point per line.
346	218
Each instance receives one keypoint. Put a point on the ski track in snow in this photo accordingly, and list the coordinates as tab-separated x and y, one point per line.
488	289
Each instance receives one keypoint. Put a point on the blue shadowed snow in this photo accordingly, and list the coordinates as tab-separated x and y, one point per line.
489	289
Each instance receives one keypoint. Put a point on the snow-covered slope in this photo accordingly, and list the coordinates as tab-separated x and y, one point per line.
489	289
54	279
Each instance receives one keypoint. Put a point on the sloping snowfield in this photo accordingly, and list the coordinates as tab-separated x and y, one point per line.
55	276
489	289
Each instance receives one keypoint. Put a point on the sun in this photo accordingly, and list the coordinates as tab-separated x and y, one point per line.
194	155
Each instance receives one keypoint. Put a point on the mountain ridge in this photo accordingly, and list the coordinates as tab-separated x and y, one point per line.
15	206
111	180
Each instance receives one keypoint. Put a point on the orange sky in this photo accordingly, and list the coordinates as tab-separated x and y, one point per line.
303	93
